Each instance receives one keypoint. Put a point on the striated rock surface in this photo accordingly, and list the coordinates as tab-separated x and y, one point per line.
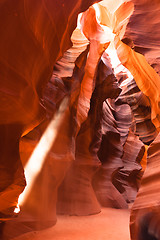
127	179
145	76
33	38
141	110
86	163
146	205
110	154
140	31
143	29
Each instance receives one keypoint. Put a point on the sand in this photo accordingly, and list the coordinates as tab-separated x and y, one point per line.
110	224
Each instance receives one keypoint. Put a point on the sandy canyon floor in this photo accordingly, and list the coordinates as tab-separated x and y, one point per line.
110	224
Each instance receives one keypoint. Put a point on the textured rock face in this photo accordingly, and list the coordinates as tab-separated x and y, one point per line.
140	31
127	178
120	170
141	110
147	201
144	33
145	76
86	163
33	38
143	29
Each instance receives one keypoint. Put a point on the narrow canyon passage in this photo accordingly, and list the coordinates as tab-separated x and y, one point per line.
80	120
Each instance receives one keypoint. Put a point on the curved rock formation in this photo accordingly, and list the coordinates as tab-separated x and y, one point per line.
110	154
145	76
148	197
143	29
33	37
127	179
141	110
86	163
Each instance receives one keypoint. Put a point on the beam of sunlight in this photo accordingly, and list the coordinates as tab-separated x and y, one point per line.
36	161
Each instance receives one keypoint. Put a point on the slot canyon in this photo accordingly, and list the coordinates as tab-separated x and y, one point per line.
79	119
